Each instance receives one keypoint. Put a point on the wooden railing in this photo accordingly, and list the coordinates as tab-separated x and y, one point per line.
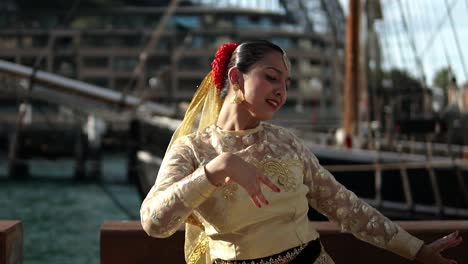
126	242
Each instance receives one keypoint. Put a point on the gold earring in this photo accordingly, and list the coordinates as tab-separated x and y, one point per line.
237	99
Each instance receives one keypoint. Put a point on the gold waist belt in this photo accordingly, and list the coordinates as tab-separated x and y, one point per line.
281	258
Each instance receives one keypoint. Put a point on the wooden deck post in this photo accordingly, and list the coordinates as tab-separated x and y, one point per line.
11	242
126	242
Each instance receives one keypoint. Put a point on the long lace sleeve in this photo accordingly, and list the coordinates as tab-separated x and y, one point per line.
180	187
353	215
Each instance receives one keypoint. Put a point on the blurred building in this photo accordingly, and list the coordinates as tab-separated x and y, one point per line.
102	45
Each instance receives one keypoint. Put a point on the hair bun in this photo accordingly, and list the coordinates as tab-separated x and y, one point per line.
220	63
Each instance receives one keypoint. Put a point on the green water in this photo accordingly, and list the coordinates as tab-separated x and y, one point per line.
62	217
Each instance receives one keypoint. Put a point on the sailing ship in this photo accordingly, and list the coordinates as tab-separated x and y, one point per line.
101	71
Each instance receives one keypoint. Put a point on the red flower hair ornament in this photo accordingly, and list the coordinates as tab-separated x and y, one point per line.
220	63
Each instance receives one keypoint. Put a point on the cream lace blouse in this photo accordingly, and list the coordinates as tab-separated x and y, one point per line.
235	227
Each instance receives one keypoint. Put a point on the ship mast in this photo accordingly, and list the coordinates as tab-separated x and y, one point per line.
351	70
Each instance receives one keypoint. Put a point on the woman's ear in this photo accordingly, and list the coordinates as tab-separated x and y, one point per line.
235	76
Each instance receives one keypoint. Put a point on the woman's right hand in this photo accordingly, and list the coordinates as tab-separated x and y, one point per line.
432	253
228	167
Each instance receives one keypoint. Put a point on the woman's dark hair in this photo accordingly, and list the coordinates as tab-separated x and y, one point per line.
247	54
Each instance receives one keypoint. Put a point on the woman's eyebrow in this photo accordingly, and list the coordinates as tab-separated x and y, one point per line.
275	69
278	71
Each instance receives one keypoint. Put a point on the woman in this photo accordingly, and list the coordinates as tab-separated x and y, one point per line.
243	187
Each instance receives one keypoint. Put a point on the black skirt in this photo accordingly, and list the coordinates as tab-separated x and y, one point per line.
308	254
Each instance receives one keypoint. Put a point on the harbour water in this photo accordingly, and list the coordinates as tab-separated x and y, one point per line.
61	216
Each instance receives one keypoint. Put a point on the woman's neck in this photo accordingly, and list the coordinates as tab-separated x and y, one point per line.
234	117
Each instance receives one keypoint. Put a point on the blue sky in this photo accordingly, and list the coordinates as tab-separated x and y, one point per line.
423	18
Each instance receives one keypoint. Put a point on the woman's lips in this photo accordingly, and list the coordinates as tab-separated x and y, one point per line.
275	104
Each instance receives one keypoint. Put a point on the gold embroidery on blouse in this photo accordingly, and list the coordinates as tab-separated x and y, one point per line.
321	173
198	251
229	191
280	171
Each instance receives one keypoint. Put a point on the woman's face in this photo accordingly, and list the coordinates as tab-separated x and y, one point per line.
266	86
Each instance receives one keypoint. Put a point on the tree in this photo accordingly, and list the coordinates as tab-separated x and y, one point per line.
402	80
443	78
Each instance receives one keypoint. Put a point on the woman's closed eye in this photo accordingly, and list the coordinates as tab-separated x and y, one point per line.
275	79
271	78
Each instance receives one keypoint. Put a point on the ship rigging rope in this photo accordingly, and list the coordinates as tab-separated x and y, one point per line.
150	46
410	18
386	54
434	34
398	41
36	66
417	58
120	206
421	21
51	40
457	41
433	13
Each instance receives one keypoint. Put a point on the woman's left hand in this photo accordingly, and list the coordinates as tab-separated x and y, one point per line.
431	254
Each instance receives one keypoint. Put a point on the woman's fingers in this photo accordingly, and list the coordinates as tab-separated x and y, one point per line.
257	197
453	243
251	183
255	201
262	198
448	261
449	241
432	253
268	183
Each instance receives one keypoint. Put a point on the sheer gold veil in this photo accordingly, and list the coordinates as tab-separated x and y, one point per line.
202	111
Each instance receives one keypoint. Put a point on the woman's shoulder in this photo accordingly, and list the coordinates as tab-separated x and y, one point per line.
286	136
279	130
185	141
195	138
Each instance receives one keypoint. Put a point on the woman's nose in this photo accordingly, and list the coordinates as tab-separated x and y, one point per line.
280	91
